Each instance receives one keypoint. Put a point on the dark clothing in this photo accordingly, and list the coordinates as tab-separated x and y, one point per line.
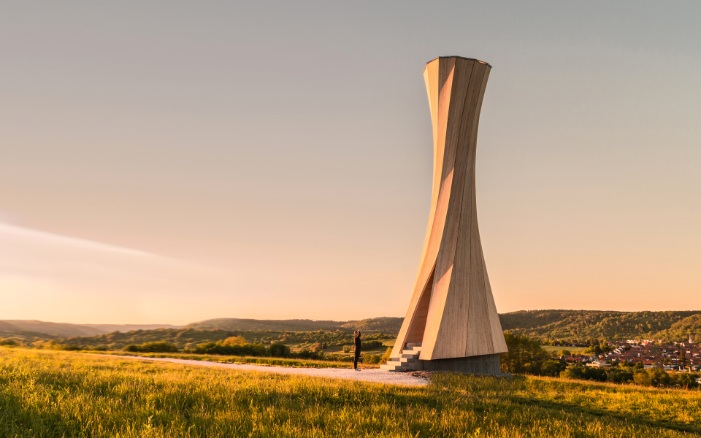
356	358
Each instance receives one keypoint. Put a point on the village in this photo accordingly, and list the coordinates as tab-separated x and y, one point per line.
674	357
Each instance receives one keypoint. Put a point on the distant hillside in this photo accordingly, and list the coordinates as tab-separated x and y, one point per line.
681	329
119	340
8	330
573	325
93	333
30	329
546	325
109	328
384	324
27	327
277	325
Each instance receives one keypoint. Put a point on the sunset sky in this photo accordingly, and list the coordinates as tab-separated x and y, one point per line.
175	161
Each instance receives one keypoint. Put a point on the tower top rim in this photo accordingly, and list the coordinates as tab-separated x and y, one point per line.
460	57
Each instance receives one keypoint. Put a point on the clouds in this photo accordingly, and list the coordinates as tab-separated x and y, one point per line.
50	276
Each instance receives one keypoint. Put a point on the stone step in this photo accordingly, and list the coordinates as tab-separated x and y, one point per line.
403	366
408	359
394	369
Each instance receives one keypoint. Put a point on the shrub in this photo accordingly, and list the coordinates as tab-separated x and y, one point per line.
308	354
685	380
371	358
386	355
619	375
278	349
552	368
641	377
233	340
372	345
152	347
584	373
524	356
231	350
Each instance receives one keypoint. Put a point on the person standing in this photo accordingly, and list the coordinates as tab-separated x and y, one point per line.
356	358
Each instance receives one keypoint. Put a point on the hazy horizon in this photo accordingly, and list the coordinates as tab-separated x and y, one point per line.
292	318
173	162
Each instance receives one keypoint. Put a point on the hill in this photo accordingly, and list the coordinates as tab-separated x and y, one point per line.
109	328
186	338
29	328
118	340
301	332
33	329
580	325
278	325
549	326
382	324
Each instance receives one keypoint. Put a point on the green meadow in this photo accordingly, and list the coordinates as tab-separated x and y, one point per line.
47	393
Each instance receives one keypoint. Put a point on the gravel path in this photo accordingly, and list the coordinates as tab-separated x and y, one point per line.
366	375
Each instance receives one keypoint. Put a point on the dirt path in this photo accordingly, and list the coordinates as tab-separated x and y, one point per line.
366	375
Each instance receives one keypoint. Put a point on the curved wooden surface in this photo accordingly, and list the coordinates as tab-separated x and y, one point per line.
452	312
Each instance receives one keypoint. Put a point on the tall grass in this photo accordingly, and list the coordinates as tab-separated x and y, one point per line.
54	394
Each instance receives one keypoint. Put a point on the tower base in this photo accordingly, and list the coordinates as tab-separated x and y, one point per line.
487	364
408	360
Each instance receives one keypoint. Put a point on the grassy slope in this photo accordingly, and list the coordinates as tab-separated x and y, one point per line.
48	393
571	325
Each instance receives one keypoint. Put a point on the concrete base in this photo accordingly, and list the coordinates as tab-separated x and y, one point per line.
487	364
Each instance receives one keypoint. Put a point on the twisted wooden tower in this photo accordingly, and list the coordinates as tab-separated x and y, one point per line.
452	322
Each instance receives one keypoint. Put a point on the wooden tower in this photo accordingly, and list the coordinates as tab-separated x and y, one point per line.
452	321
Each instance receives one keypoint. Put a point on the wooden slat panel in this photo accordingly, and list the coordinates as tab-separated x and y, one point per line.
438	293
491	325
440	289
466	253
437	311
498	340
437	82
449	337
431	80
478	319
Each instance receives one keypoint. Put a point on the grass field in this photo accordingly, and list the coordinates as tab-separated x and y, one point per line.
56	393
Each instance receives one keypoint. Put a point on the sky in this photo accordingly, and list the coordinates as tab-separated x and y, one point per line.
170	161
